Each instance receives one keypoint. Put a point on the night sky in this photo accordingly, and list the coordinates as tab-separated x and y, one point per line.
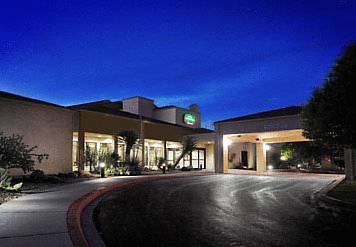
230	57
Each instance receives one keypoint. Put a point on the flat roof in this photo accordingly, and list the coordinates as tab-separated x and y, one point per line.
140	97
281	112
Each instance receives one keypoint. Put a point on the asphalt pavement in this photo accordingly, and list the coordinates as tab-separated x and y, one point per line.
223	210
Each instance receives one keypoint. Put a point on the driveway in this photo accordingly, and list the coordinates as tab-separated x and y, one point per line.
40	219
222	210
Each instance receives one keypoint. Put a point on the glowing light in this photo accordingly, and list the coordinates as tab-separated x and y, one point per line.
284	158
102	164
267	147
270	167
227	142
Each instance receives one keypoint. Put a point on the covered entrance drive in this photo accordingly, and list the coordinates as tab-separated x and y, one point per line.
250	151
243	142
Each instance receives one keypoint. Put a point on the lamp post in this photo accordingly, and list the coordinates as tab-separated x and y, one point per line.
102	171
164	168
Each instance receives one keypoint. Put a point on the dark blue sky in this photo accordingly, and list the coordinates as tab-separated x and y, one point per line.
230	57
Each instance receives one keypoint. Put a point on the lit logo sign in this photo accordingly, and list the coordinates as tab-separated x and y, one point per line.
189	119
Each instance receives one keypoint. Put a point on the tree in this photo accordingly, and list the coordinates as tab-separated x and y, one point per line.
14	153
329	118
130	138
189	145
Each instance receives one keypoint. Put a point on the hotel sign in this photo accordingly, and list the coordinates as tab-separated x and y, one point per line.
189	119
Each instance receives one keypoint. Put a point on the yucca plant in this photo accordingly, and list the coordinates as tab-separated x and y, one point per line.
5	182
189	145
130	138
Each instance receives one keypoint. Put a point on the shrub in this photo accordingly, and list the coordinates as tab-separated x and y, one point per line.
14	153
5	182
37	175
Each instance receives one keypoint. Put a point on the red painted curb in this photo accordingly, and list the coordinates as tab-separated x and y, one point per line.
76	208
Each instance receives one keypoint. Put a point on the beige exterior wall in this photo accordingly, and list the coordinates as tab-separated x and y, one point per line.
210	158
350	164
260	125
48	127
139	106
95	122
235	150
165	114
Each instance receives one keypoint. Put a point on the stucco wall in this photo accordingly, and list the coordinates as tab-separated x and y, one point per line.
138	105
260	125
234	152
48	127
95	122
165	114
209	159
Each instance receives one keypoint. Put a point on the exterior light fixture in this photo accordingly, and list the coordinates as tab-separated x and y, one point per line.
270	167
102	172
227	142
267	147
284	158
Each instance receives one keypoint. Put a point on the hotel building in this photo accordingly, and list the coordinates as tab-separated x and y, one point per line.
65	133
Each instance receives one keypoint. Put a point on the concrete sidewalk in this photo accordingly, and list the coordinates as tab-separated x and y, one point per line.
40	219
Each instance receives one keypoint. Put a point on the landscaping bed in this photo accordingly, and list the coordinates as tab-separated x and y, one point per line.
42	185
345	191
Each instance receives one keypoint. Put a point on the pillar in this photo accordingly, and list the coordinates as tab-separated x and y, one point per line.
225	156
218	153
261	159
116	144
142	137
350	163
80	151
165	150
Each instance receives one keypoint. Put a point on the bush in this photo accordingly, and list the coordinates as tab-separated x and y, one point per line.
37	175
186	168
14	153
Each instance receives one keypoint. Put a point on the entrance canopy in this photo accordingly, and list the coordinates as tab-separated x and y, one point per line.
246	137
268	136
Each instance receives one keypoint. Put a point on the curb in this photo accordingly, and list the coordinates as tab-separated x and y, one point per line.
327	202
76	209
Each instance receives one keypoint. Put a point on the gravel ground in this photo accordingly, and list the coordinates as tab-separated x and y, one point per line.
7	196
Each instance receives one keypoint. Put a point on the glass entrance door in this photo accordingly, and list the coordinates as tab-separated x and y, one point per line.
198	158
202	160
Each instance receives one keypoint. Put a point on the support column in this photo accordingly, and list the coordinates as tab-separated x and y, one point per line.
350	163
219	153
226	145
142	138
261	159
165	150
116	144
80	151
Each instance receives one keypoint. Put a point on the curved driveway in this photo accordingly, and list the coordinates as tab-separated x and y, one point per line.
221	210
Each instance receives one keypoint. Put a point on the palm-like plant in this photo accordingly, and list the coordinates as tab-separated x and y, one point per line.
130	138
189	145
